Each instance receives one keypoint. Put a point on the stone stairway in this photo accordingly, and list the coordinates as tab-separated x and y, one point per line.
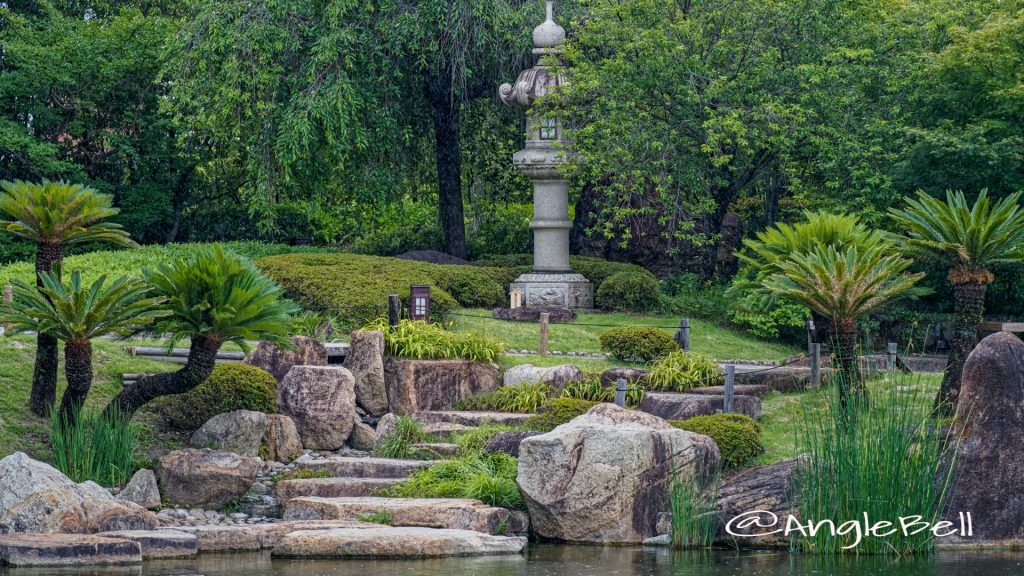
448	513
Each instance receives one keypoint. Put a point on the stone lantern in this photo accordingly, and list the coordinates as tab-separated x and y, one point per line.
551	283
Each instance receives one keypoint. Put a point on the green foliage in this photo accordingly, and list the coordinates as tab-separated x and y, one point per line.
738	436
400	227
472	442
681	370
692	502
500	229
381	516
525	397
92	446
591	388
222	295
302	474
637	343
399	443
596	270
490	478
231	387
777	320
59	213
628	291
696	299
888	461
425	341
557	412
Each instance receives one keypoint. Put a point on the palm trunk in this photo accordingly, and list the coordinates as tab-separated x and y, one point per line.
202	357
44	377
78	370
968	312
845	334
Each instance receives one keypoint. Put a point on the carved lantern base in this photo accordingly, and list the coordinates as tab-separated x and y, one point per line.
555	290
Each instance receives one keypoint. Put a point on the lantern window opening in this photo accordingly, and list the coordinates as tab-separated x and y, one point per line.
548	129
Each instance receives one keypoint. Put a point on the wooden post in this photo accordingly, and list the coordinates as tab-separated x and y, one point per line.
891	360
683	335
394	309
544	316
8	296
815	366
810	337
730	382
620	392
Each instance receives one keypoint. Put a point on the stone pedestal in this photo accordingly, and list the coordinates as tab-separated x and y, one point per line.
555	290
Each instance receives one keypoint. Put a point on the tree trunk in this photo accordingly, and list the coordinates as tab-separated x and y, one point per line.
968	312
450	213
44	377
848	375
78	370
202	357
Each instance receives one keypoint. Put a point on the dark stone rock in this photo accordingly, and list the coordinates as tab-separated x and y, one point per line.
142	490
611	375
508	442
205	478
66	550
766	488
365	360
531	314
426	385
676	406
281	442
321	400
989	456
240	432
739	389
278	361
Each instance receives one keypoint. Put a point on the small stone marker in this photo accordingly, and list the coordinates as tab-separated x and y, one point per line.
515	299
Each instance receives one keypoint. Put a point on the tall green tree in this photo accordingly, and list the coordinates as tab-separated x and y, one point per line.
969	241
76	314
54	215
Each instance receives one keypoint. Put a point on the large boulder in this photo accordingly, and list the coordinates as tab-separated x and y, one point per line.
278	361
322	402
990	453
363	437
423	385
764	490
36	497
555	376
604	477
240	432
205	478
142	489
281	442
365	360
676	406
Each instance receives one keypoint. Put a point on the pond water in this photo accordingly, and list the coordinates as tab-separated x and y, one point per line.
553	560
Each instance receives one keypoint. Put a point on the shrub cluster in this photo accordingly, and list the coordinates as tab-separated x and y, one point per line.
637	343
557	412
628	291
425	341
681	370
231	387
738	436
595	269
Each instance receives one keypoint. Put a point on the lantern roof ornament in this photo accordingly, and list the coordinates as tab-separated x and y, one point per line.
542	77
549	35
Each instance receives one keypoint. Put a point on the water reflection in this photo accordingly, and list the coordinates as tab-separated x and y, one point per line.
551	560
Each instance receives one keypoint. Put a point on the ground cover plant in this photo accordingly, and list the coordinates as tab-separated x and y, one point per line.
430	341
681	370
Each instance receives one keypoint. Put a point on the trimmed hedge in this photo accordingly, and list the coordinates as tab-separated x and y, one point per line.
359	280
231	387
629	291
558	411
595	269
637	343
738	436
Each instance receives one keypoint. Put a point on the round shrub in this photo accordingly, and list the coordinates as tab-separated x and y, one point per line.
231	387
680	370
738	436
637	343
558	411
629	291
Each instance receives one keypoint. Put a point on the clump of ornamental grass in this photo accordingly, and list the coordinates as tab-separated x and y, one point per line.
425	341
401	442
692	500
490	478
93	446
885	460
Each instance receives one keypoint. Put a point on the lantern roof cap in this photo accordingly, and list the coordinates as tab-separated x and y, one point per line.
549	34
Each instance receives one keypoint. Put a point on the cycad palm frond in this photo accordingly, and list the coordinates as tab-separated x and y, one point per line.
59	212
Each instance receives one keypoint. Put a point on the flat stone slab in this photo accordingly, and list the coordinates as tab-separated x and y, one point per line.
678	406
445	430
250	537
351	467
739	389
331	487
388	542
439	449
472	418
66	550
159	543
781	379
454	513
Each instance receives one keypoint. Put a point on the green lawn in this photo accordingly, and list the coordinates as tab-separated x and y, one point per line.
706	338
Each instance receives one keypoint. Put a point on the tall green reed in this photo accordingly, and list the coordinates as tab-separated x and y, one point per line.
94	447
882	458
692	500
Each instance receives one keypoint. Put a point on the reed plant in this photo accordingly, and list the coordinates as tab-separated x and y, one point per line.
93	446
525	397
881	461
591	388
692	500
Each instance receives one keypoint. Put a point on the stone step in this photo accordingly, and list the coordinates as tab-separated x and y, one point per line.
158	543
739	389
332	487
352	467
455	513
446	430
388	542
472	418
439	449
66	550
251	537
678	406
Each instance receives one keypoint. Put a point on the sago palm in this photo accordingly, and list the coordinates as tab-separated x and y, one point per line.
54	215
76	314
845	286
969	241
214	298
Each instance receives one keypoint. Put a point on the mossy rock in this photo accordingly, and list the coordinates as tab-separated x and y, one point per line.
558	411
231	387
738	436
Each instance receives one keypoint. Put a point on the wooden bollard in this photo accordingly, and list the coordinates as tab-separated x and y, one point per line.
544	317
394	309
683	335
730	383
815	366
